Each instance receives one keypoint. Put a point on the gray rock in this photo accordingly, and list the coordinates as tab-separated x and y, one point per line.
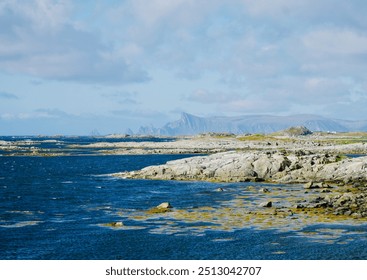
266	204
259	166
164	205
115	224
313	185
308	185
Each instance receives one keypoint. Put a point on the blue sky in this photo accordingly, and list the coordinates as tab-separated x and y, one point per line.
73	67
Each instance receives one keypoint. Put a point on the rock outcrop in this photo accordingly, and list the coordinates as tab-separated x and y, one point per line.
161	208
349	202
331	185
271	166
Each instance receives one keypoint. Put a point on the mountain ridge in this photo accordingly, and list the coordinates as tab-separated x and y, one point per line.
190	124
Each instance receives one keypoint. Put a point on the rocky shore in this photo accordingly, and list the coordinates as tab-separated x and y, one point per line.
208	144
332	184
270	166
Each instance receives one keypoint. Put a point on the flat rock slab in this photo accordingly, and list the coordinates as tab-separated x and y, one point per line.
259	166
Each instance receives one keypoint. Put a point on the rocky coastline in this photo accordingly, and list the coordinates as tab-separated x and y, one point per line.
333	184
311	178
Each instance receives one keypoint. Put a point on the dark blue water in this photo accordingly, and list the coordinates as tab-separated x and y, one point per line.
57	208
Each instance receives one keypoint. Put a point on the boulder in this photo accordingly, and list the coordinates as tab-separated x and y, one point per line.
114	224
266	204
164	205
161	208
313	185
308	185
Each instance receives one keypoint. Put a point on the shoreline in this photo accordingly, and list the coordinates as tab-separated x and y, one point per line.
334	186
344	143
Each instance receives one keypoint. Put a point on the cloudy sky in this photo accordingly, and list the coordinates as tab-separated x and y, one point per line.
73	67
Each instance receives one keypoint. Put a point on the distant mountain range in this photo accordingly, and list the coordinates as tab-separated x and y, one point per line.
190	125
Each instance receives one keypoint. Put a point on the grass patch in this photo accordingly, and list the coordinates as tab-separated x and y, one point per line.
257	137
344	138
340	158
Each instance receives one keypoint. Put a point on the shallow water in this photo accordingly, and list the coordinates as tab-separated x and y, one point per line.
63	207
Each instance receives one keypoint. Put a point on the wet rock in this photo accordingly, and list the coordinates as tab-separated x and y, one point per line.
348	213
164	205
322	204
357	215
115	224
344	199
308	185
326	186
283	212
313	185
266	204
161	208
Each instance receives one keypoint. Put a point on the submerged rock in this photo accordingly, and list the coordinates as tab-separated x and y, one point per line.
251	188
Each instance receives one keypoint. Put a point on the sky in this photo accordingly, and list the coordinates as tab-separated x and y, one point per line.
84	67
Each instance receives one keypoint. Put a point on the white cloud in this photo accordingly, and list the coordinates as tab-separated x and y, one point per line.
41	40
335	42
123	98
284	95
333	52
44	15
206	97
36	114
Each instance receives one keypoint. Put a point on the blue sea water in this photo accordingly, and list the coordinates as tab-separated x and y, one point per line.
58	208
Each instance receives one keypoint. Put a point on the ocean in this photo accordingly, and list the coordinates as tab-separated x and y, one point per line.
70	207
